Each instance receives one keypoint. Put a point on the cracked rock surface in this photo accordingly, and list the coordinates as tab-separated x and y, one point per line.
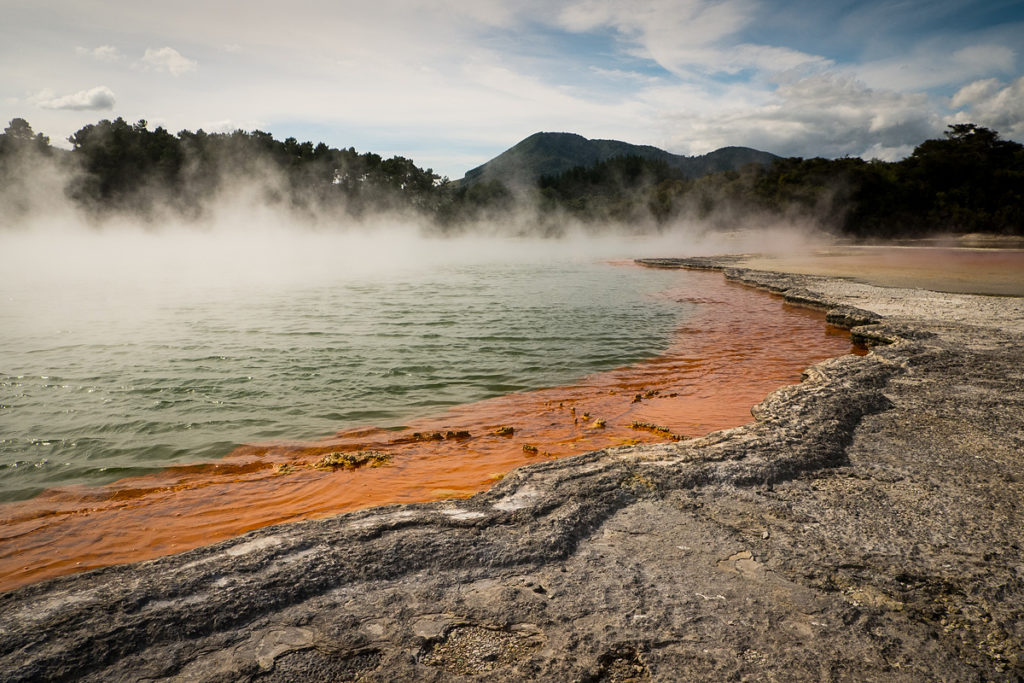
867	525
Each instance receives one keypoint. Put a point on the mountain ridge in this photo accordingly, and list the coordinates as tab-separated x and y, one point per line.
550	153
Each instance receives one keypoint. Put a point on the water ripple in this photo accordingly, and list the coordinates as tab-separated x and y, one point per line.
187	381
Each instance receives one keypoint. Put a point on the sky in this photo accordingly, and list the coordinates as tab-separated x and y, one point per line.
452	83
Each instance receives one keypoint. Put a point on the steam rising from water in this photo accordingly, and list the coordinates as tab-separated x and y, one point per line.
257	246
246	236
118	330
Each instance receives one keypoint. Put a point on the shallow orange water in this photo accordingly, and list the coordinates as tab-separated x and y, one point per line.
739	346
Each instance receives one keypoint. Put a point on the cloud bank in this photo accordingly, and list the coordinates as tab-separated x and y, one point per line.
452	83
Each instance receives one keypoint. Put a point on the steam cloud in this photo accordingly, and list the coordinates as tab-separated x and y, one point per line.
243	235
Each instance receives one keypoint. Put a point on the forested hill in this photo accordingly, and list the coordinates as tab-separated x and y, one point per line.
546	154
970	180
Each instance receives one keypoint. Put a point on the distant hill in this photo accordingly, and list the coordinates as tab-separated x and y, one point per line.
552	153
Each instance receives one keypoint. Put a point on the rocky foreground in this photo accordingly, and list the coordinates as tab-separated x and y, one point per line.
868	525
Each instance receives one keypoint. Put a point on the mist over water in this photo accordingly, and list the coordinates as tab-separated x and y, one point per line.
125	351
130	341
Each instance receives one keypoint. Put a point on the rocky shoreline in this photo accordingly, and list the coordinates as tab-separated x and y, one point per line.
867	525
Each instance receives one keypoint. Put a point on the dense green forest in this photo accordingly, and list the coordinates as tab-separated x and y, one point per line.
970	180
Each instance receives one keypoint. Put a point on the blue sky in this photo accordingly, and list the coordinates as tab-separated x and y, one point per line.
451	83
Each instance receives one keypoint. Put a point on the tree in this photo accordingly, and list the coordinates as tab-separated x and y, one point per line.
970	181
18	136
20	130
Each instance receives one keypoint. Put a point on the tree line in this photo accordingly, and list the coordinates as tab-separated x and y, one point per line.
116	166
970	180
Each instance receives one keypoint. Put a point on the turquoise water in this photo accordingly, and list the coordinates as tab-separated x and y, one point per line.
102	379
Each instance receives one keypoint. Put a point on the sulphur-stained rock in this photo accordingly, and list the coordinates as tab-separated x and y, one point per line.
867	525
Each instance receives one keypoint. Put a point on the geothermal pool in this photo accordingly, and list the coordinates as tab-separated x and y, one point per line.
101	382
140	424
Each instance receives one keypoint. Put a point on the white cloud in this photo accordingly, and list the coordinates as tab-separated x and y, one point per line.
103	53
694	22
686	37
984	58
485	12
991	104
433	79
823	114
769	59
624	75
935	64
168	59
484	97
95	99
975	92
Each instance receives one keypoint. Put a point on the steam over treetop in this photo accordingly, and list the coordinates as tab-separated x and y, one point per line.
969	181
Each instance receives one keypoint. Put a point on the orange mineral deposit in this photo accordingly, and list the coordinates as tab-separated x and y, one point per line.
740	345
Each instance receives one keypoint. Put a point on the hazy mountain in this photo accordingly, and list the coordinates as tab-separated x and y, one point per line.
552	153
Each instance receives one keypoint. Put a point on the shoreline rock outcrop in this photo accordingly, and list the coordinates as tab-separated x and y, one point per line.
866	525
